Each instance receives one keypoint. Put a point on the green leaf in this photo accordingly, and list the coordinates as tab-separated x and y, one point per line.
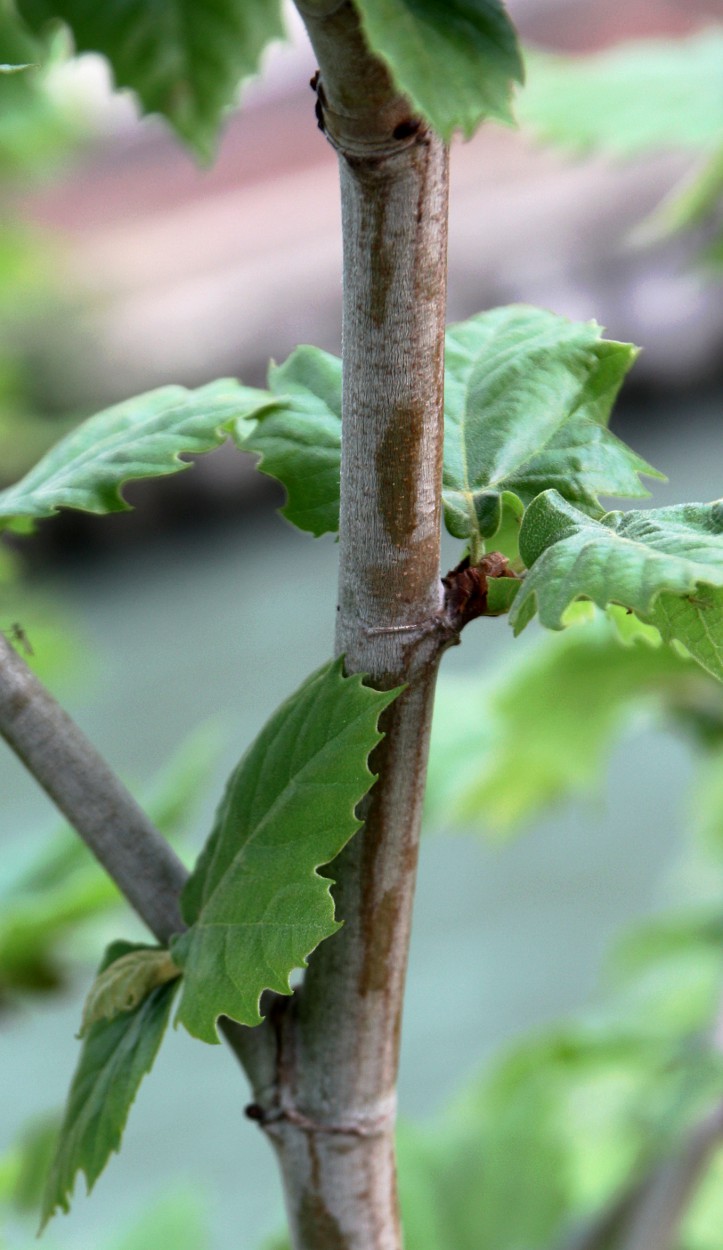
142	437
635	98
559	707
115	1056
299	437
456	59
125	983
527	399
697	621
630	558
183	59
256	903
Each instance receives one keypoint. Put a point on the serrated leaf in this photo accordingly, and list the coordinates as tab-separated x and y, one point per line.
125	983
255	901
630	558
558	707
697	621
299	437
183	59
635	98
115	1056
143	437
457	60
527	399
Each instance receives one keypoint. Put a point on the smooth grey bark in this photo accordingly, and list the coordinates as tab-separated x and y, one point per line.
332	1117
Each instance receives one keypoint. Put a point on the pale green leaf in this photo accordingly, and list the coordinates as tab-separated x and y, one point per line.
635	98
457	60
114	1058
256	903
697	621
299	437
558	707
528	396
143	437
125	983
182	58
15	69
630	558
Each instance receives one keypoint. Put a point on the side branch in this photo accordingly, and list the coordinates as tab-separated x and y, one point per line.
118	832
72	773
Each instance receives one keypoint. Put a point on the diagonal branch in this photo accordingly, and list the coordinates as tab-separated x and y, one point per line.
118	832
78	780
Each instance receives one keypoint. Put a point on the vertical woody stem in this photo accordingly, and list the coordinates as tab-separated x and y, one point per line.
339	1042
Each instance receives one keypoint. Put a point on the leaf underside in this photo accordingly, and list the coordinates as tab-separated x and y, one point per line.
255	901
115	1056
641	560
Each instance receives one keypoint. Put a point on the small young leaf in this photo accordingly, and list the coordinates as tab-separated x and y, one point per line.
630	558
527	400
635	98
115	1056
125	983
256	903
183	59
299	437
142	437
456	59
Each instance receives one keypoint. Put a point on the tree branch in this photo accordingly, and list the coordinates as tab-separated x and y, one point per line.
118	832
70	770
333	1122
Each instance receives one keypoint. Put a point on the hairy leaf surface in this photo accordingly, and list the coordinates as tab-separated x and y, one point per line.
299	437
634	98
696	620
183	59
630	558
255	901
115	1056
143	437
527	399
456	59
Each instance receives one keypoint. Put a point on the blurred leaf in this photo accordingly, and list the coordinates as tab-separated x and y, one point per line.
24	1166
183	60
634	98
298	437
630	558
457	60
143	437
115	1056
691	201
176	1220
255	901
527	400
503	750
708	803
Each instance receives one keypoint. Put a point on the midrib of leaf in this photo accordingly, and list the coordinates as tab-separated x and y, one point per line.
294	783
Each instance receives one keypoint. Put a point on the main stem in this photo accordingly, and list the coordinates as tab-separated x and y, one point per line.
339	1040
